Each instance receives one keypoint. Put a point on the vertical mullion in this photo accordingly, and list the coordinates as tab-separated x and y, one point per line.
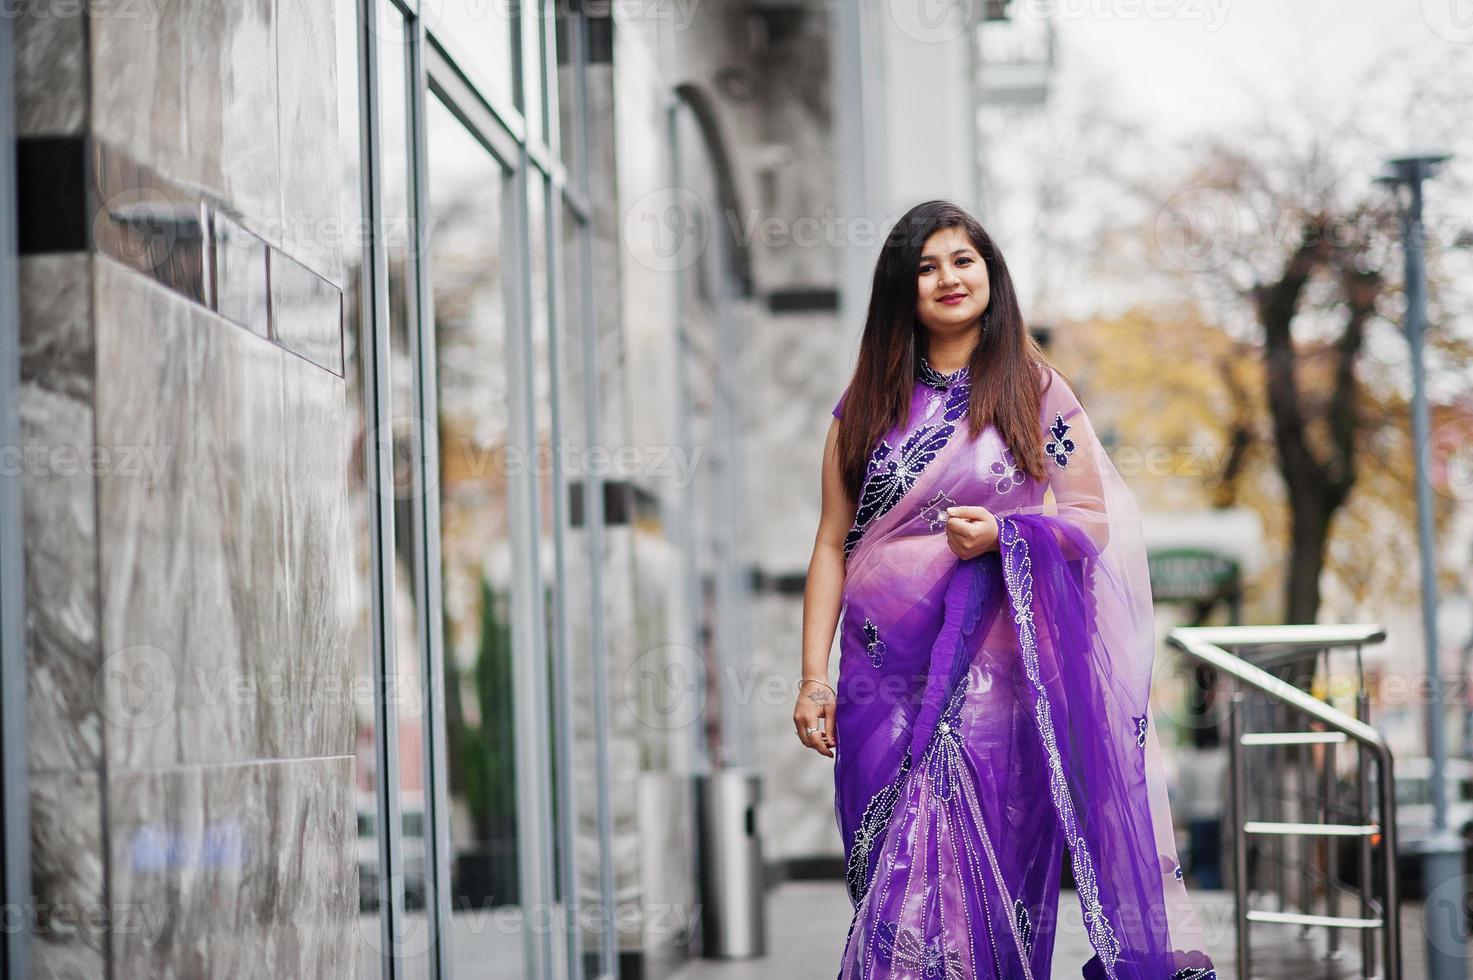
698	758
533	805
15	849
380	477
593	509
563	695
427	521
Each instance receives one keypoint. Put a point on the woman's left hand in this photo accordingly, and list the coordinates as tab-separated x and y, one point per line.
971	531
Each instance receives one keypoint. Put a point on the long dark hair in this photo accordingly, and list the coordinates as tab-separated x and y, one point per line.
1007	365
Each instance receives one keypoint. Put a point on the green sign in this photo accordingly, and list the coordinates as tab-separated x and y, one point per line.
1179	574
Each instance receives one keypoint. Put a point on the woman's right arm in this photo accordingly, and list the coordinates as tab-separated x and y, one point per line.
822	600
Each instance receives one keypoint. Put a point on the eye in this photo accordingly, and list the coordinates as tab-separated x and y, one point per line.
964	258
925	269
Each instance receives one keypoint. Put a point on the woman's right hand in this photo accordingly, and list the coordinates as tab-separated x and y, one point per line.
815	709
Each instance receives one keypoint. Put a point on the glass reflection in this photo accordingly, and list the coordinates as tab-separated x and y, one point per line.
478	35
467	277
533	34
577	590
405	692
365	773
569	94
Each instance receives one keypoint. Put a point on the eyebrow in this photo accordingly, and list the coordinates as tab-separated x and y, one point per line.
957	252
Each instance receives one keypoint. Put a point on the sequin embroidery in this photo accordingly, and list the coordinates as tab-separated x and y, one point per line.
1024	923
873	643
1007	472
933	512
871	833
1018	572
886	484
1061	446
932	378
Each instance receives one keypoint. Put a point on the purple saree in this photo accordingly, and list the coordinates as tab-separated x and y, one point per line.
993	712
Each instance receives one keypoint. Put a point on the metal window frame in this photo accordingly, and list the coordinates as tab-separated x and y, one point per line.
502	131
574	196
15	848
374	327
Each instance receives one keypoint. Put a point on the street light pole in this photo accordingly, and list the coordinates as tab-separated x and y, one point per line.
1442	857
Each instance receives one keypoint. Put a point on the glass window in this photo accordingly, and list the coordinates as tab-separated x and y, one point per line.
355	349
534	24
471	322
405	691
577	590
569	93
479	35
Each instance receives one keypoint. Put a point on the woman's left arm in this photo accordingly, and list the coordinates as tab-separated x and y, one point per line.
1076	466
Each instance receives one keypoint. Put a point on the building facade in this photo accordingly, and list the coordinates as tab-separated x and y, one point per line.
418	410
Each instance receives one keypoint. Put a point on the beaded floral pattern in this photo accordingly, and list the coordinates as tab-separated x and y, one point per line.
889	481
871	833
933	511
1018	572
932	378
1061	446
873	643
1006	472
1024	923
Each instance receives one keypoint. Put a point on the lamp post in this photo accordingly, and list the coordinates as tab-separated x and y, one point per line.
1442	857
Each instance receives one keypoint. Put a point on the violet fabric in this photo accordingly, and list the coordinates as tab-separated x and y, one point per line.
993	712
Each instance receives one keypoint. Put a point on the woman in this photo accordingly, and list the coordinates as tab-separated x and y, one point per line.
996	644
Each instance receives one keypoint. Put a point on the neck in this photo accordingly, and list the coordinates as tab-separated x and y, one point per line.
951	355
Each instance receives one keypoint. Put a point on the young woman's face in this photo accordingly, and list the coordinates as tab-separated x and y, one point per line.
951	285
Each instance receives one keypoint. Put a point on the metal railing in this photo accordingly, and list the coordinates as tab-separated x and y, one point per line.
1296	792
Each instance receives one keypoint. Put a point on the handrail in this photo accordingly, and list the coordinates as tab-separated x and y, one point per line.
1308	635
1206	644
1187	640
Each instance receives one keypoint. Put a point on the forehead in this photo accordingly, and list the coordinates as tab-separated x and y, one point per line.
945	241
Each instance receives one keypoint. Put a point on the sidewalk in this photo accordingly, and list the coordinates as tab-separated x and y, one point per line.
807	922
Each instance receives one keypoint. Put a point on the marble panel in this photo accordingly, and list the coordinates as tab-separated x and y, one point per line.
229	79
137	54
59	502
315	439
313	158
50	69
251	866
237	684
146	575
68	917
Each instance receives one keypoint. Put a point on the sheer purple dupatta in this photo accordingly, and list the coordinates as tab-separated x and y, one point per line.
1080	596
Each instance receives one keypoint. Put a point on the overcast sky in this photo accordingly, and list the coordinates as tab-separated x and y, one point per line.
1218	61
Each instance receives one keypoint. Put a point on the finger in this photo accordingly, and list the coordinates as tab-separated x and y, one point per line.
969	513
